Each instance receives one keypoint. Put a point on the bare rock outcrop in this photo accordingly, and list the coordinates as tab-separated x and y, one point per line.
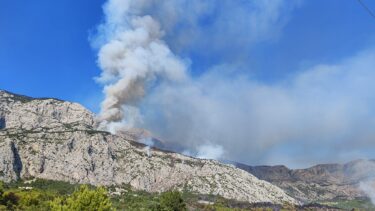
26	113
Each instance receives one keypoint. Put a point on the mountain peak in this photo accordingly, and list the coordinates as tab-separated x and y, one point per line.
22	98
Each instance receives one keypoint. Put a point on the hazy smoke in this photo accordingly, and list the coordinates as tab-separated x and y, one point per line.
368	187
365	171
132	56
206	151
323	114
210	152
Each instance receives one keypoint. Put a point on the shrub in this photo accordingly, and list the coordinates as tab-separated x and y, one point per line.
1	191
84	199
34	199
10	200
172	201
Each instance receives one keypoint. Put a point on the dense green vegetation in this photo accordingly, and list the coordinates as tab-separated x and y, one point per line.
60	196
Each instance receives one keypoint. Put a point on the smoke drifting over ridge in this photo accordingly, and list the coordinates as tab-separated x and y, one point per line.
322	114
134	56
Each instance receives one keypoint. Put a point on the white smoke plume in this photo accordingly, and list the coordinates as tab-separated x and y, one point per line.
321	114
132	56
149	142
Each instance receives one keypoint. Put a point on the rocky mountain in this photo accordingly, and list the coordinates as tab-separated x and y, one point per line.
320	182
58	140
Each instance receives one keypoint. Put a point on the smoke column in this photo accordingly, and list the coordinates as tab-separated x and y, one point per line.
132	54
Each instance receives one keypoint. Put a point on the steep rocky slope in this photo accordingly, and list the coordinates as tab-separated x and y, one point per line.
320	182
53	139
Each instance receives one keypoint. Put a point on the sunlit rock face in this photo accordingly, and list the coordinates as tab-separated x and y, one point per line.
58	140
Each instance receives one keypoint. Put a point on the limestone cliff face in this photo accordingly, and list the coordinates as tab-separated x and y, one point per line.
57	140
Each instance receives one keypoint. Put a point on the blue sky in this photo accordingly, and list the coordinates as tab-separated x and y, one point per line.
45	50
44	47
319	32
303	59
